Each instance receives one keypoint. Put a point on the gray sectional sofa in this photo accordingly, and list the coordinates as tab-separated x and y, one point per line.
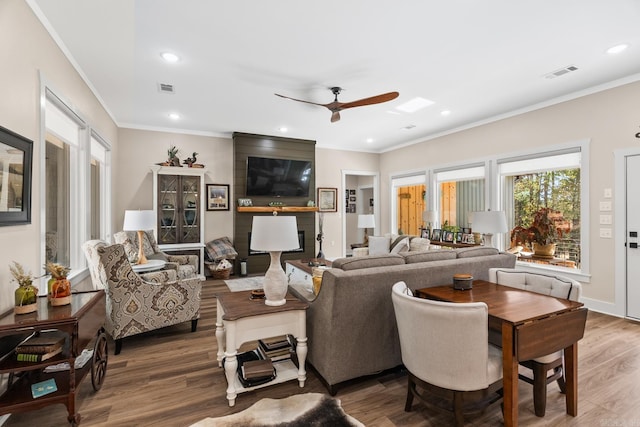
351	324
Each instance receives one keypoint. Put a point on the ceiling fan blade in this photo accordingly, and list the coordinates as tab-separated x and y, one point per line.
335	116
369	101
300	100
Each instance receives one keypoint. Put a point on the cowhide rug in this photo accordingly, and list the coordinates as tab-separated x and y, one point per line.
300	410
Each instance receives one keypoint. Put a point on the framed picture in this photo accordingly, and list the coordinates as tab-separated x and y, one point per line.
447	236
466	231
245	202
371	202
15	182
217	197
459	236
436	234
327	200
352	208
352	192
425	233
468	238
352	199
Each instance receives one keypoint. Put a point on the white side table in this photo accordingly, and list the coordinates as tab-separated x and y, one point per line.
241	319
151	265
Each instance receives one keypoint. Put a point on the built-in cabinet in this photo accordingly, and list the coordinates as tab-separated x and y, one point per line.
178	203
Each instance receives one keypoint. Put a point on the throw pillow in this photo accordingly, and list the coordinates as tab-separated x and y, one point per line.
400	246
378	245
221	248
419	244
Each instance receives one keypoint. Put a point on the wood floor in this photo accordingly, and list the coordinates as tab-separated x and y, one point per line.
171	378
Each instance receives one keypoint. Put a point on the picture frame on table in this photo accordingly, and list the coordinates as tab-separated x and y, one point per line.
217	197
465	230
468	238
425	233
245	203
447	236
458	236
327	199
436	234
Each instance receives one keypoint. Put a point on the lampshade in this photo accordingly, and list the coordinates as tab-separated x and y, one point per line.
138	220
430	216
274	234
366	221
489	222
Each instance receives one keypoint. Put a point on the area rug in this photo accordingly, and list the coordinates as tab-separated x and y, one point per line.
245	283
300	410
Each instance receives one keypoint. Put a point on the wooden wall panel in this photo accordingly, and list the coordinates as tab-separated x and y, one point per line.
411	204
246	145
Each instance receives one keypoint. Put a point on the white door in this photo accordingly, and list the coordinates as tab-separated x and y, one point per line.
632	233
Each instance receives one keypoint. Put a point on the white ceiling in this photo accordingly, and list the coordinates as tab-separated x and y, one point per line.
479	59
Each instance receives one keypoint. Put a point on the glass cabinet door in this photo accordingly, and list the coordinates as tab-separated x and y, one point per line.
179	209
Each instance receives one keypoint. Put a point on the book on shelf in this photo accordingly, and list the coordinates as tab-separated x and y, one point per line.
37	357
274	343
254	369
275	357
43	387
43	343
245	357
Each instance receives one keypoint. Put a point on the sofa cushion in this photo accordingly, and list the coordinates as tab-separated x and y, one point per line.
414	257
379	245
476	251
357	263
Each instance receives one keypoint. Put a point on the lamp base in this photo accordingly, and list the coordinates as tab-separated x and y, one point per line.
275	282
142	258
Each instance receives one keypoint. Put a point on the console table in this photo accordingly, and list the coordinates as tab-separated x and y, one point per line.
82	320
241	319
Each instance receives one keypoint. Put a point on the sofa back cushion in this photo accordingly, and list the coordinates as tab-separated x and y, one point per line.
476	251
413	257
357	263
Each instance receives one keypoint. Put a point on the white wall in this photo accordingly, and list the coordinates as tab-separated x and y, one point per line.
27	51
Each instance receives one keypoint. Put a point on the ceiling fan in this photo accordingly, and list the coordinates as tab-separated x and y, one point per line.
335	107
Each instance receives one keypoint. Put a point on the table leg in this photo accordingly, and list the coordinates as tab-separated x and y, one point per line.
220	335
301	352
230	368
509	376
571	378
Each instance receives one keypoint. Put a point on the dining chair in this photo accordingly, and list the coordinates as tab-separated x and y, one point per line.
445	350
556	286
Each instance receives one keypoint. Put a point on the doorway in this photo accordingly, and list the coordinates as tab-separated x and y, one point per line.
632	230
361	193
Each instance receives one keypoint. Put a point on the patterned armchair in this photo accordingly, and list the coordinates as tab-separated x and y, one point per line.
137	304
186	266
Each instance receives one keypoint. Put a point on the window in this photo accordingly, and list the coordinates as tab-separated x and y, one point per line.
547	180
460	191
76	192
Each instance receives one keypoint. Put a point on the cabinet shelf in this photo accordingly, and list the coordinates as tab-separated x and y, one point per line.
277	209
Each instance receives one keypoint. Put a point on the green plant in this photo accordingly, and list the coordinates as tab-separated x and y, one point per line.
547	227
452	228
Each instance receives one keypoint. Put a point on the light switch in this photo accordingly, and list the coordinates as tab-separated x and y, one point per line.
605	206
608	193
605	233
605	219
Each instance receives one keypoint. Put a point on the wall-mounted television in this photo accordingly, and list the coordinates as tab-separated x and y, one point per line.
278	177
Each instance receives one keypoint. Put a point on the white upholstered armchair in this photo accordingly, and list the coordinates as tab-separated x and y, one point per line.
134	304
446	352
186	266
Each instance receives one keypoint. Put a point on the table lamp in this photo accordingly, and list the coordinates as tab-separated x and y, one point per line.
274	234
139	221
488	223
366	221
430	218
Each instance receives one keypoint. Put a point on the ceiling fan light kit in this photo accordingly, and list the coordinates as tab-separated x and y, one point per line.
335	107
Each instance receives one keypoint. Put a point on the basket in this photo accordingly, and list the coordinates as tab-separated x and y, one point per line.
222	273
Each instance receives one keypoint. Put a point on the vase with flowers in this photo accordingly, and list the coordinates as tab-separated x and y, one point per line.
546	229
59	288
26	296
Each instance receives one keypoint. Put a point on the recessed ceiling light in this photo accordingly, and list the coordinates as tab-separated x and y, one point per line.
174	116
414	105
393	112
170	57
445	112
617	49
369	140
283	129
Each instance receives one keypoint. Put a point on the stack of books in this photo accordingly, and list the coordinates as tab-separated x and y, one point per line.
276	348
253	370
41	347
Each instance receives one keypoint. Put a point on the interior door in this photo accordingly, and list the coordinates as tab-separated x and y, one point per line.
631	235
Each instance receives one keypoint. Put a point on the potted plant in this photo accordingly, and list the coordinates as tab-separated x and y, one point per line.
547	227
59	288
26	296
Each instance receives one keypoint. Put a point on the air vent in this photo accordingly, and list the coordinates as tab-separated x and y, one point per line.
165	88
408	127
561	72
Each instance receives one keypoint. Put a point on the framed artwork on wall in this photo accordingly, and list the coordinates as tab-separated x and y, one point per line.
217	197
327	199
15	186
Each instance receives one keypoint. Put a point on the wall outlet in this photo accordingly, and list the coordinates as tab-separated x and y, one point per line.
608	193
605	219
605	206
605	233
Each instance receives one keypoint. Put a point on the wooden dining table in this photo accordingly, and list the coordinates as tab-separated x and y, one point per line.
531	325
